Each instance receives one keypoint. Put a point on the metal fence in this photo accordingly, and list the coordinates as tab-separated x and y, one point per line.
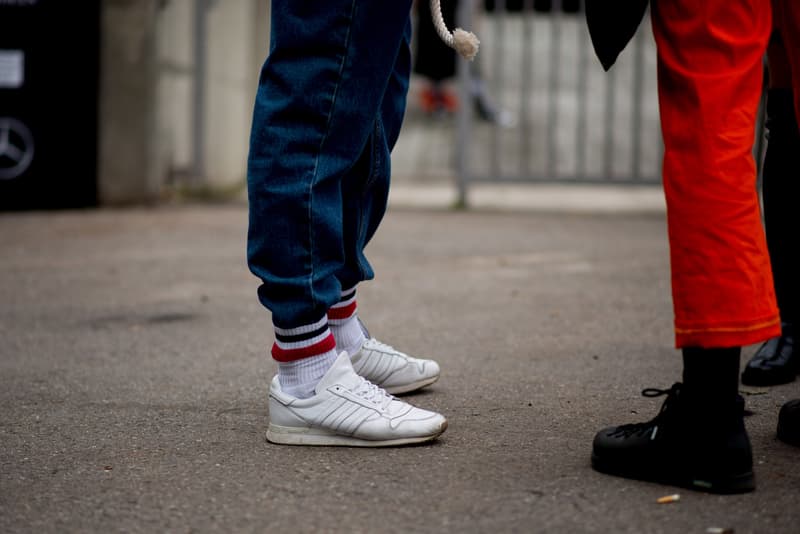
571	121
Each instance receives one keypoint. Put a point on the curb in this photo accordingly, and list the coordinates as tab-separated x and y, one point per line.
534	197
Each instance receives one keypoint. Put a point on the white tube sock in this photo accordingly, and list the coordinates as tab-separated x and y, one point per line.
344	324
304	354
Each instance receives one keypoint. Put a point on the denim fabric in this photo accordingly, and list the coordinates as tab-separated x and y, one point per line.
328	111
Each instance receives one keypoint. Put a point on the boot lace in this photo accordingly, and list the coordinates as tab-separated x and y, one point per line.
641	429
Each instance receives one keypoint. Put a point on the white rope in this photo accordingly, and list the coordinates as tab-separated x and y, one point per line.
464	42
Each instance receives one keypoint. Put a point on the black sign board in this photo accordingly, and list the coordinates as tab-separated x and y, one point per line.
49	57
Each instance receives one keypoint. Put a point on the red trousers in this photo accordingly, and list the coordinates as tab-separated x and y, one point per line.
710	74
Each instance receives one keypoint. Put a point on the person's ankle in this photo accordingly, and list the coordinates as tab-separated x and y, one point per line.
344	323
304	354
711	377
299	378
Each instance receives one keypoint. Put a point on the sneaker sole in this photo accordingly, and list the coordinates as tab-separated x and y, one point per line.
738	483
288	435
408	388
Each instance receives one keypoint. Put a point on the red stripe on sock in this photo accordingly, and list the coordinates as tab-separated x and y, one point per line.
344	312
290	355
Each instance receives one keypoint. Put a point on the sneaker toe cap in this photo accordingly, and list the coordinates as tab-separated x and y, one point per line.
421	422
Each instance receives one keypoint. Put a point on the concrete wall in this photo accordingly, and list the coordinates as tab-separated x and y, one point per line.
233	66
148	113
130	168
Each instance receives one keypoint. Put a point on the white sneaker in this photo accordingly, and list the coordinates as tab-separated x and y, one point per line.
348	410
391	369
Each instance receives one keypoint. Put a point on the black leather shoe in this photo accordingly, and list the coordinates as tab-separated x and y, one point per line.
681	447
775	362
789	423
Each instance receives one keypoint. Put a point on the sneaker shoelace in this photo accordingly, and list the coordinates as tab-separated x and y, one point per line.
641	429
372	393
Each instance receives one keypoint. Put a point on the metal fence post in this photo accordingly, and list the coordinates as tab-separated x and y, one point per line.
463	131
200	52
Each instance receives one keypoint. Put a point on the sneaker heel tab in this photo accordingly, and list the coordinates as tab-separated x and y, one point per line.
364	328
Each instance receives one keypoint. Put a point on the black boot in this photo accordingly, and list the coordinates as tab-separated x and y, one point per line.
697	440
775	362
680	447
789	423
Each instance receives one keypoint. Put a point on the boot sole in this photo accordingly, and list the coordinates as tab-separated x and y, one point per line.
286	435
737	483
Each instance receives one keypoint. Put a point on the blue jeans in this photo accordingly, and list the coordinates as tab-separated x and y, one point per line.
329	107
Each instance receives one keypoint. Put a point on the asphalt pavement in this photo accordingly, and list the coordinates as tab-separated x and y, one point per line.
134	366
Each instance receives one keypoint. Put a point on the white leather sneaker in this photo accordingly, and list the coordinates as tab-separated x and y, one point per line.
348	410
391	369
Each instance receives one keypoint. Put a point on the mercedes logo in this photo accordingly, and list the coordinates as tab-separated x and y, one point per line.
16	148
